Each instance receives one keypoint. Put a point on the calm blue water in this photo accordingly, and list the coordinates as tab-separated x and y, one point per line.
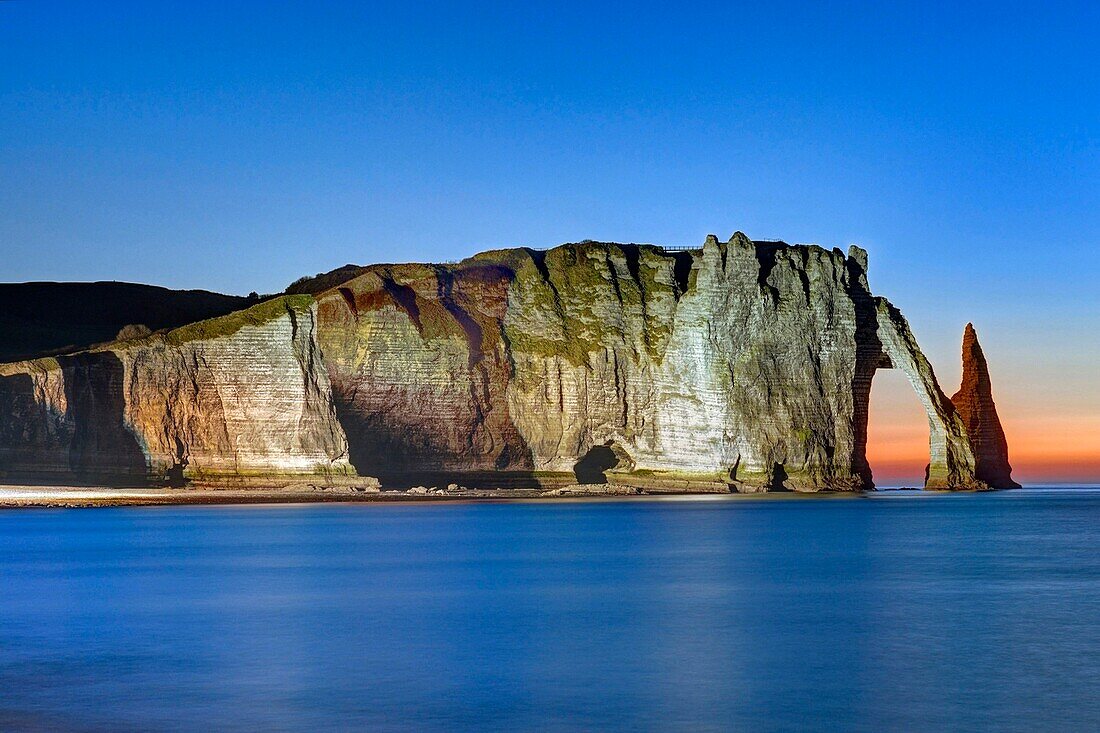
899	612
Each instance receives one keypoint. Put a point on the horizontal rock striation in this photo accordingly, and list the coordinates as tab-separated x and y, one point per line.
237	396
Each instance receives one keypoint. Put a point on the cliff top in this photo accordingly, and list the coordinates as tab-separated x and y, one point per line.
515	256
52	319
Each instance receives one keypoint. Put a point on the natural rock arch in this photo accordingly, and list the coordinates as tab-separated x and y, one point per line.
950	460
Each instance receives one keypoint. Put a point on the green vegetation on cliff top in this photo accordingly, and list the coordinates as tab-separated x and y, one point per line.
228	325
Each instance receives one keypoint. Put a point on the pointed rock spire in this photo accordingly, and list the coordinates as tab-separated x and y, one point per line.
974	402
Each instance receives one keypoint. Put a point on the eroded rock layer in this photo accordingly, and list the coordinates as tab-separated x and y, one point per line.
974	403
242	395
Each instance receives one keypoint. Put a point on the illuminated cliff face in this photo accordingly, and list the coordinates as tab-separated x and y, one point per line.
734	365
239	396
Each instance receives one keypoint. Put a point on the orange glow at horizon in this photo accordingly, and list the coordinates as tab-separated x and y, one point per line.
1041	448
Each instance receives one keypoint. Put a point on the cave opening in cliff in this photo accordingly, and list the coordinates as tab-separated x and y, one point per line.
897	432
593	465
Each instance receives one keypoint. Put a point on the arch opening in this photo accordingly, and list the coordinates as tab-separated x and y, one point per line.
897	432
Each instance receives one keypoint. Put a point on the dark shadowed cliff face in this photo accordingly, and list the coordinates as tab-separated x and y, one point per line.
974	402
92	443
420	369
737	365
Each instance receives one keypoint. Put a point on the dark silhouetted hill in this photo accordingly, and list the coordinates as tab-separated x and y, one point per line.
43	318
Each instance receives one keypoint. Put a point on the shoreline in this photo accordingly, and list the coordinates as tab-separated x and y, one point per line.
28	496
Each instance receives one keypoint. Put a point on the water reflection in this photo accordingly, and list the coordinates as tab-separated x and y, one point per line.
967	612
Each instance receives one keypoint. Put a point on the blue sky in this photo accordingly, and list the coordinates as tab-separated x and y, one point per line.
239	146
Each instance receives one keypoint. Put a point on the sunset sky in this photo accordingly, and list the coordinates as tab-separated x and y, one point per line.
238	146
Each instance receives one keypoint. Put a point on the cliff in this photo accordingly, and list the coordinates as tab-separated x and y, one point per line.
237	396
974	402
736	365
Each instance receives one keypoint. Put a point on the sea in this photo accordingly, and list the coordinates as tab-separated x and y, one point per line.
892	611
